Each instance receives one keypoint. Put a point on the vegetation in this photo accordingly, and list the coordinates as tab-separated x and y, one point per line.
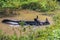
49	33
38	5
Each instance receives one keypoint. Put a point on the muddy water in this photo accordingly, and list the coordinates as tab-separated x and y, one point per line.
24	15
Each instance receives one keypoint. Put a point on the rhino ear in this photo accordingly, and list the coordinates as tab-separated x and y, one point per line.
46	19
37	16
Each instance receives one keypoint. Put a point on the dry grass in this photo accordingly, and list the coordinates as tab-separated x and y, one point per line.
24	15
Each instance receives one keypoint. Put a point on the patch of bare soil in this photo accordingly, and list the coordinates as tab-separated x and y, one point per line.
24	15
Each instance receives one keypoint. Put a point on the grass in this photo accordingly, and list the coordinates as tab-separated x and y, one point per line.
47	33
50	32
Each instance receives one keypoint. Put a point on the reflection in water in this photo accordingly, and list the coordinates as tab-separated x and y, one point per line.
14	25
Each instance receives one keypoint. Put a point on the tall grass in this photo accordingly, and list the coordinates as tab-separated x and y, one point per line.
42	5
37	5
